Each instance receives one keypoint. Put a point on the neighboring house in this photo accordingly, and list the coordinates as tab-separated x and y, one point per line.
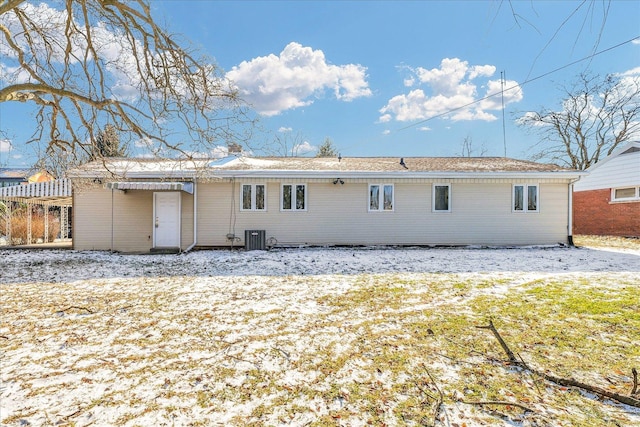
607	201
178	205
13	176
10	177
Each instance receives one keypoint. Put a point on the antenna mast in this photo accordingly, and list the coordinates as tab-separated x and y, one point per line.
504	131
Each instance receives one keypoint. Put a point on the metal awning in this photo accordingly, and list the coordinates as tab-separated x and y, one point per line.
152	186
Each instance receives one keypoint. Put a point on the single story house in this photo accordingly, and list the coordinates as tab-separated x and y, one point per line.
142	205
13	176
607	201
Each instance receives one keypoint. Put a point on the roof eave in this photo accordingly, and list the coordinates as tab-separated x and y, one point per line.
297	174
397	175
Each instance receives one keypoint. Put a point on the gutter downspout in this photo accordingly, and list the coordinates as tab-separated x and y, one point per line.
112	220
195	216
570	219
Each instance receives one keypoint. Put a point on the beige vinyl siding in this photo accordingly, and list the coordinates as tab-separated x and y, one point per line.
132	216
186	219
338	215
91	218
131	212
214	212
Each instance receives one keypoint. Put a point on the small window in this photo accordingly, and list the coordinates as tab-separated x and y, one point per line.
628	193
253	197
525	198
294	197
380	197
441	198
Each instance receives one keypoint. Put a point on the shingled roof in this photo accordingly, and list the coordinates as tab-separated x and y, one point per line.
314	166
387	164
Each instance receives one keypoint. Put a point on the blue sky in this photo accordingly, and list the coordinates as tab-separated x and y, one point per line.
383	78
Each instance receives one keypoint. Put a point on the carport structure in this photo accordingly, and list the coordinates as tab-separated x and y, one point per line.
49	194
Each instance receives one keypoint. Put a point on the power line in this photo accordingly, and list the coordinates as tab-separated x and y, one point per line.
518	85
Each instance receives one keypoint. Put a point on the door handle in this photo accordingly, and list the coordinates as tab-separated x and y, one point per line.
157	222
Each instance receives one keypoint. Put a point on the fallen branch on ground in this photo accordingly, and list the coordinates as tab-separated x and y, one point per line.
565	382
634	390
497	402
72	307
440	400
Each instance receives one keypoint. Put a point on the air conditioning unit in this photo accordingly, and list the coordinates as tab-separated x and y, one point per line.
255	240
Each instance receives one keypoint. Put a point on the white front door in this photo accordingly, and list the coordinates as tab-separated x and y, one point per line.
166	213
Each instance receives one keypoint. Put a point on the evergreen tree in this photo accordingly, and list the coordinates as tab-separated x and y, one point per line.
107	144
327	149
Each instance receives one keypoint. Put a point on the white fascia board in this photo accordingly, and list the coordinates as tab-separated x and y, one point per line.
296	174
396	175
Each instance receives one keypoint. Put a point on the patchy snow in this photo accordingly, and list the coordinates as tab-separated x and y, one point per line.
211	337
58	266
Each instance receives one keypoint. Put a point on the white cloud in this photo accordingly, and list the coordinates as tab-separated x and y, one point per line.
283	129
51	26
385	118
424	128
631	73
512	93
5	146
451	91
481	71
219	152
386	132
113	49
13	75
273	84
303	148
528	119
636	40
143	143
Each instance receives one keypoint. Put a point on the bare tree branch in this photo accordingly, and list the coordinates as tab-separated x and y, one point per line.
597	116
91	63
567	382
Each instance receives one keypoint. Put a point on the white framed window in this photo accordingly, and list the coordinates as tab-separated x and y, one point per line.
441	198
381	198
525	198
253	197
625	194
293	197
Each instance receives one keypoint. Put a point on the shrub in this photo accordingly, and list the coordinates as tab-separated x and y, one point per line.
19	223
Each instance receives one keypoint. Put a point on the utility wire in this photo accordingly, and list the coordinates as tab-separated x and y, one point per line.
518	85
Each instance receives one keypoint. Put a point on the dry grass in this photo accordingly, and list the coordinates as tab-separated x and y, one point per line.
318	351
607	242
20	226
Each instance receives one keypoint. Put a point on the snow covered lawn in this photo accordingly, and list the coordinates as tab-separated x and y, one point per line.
317	337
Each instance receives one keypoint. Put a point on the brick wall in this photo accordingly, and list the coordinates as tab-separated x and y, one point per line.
593	214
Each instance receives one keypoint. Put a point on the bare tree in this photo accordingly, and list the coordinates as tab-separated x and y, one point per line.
467	149
90	62
288	144
597	116
327	149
